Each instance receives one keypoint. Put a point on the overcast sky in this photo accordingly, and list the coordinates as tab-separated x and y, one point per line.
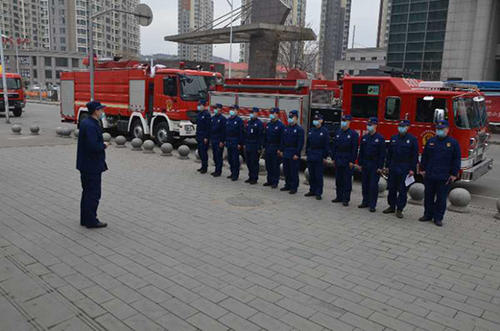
364	15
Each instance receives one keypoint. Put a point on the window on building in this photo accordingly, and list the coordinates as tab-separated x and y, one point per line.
353	58
75	63
61	62
48	61
364	101
351	72
48	74
33	60
58	74
374	58
363	58
425	109
392	108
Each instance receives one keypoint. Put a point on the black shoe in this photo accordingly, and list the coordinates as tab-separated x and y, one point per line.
372	210
389	210
216	174
363	206
203	171
234	179
318	197
345	203
229	177
266	184
199	170
274	186
284	189
399	214
336	200
425	219
248	180
292	191
309	194
213	173
252	182
97	225
438	222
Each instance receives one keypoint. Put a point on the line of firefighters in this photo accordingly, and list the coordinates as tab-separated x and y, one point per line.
439	165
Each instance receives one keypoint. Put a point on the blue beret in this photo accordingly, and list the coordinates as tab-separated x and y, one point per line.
347	117
235	107
373	120
254	110
218	106
404	123
202	102
442	124
318	116
92	106
293	113
275	110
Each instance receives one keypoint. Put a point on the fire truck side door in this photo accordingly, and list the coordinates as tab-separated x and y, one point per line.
170	92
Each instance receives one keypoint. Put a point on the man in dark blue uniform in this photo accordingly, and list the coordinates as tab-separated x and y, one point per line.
344	154
202	135
217	137
292	142
91	162
272	141
234	142
440	165
253	145
402	158
371	162
317	150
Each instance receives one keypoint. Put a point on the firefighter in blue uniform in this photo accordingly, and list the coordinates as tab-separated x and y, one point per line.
91	162
292	142
217	138
371	162
344	153
234	142
253	145
272	140
440	165
202	135
317	150
401	162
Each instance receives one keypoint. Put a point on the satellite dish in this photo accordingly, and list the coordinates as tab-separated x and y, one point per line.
144	14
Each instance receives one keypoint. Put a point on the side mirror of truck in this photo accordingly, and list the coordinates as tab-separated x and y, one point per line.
438	115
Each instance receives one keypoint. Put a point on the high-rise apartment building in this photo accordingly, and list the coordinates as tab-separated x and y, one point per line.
333	35
193	15
384	22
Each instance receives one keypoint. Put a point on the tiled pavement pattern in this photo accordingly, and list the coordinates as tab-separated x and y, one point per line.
186	251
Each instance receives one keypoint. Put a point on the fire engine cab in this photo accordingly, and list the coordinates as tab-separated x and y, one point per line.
15	93
391	99
140	100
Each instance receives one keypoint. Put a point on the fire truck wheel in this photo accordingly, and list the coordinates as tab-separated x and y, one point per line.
136	129
162	133
18	112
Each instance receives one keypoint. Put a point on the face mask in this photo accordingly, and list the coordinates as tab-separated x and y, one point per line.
343	124
272	117
402	129
440	133
291	120
252	116
370	128
315	122
232	113
103	116
200	108
216	111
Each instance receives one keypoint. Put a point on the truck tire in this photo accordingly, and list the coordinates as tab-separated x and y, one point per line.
18	111
162	133
83	115
137	130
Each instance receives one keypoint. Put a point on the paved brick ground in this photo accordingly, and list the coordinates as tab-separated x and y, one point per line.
186	251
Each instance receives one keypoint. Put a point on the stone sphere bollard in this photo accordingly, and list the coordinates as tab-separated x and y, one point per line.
382	187
166	149
66	132
59	131
197	158
459	199
16	129
497	216
262	166
136	144
106	137
35	130
306	175
120	141
148	147
416	192
76	133
183	151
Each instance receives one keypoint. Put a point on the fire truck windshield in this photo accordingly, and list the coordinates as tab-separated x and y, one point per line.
469	114
12	83
194	88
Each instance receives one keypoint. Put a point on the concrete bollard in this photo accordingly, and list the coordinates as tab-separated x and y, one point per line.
183	151
66	132
136	144
416	193
166	149
106	137
382	187
497	216
197	158
35	130
459	199
59	131
306	175
76	133
148	147
16	129
120	141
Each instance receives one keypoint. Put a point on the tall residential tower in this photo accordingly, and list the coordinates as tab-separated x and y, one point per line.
194	15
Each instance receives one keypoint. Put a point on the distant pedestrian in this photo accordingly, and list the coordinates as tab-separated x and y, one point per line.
91	162
253	144
292	142
272	141
202	135
217	137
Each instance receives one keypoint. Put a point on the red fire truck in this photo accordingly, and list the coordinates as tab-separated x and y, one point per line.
140	100
15	92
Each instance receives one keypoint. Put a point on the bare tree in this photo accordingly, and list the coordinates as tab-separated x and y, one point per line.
301	55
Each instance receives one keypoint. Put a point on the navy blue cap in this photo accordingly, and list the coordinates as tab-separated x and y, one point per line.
442	124
318	116
373	120
235	107
202	102
254	110
346	117
218	106
275	110
404	123
293	113
92	106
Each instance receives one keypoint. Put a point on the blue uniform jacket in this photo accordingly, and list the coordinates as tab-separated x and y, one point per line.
272	137
218	128
234	131
203	125
345	147
292	141
90	156
372	151
254	135
441	158
318	144
402	154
